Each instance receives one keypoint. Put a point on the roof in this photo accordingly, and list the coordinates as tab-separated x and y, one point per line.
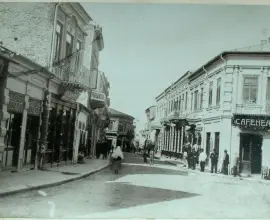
263	49
114	112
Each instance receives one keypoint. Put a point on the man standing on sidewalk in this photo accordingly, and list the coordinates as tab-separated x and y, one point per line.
214	161
202	160
226	162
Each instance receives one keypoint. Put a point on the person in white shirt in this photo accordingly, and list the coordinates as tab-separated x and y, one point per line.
202	160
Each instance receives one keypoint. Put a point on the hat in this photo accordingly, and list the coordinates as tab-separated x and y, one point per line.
225	151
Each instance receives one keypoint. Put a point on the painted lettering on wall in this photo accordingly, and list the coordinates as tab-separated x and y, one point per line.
251	121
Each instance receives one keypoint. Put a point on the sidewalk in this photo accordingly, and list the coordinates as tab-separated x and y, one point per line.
12	183
179	163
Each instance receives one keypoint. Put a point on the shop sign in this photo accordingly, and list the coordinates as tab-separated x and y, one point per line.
34	107
251	121
16	102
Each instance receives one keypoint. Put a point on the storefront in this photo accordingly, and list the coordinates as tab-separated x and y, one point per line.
22	126
253	142
60	139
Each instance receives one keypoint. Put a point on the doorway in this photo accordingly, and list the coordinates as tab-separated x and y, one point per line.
12	139
251	151
31	137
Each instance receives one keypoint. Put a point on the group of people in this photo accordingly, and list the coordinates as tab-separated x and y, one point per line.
149	150
196	156
102	147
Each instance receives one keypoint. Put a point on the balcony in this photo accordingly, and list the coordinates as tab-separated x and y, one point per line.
249	107
98	100
174	115
69	72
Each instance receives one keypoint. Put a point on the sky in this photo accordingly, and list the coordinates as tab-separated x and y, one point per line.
149	46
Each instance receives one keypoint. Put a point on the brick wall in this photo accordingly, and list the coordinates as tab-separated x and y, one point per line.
32	24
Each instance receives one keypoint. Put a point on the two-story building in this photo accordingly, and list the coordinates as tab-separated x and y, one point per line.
222	105
51	46
153	126
120	126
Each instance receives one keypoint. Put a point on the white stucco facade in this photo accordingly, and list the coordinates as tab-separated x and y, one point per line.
233	84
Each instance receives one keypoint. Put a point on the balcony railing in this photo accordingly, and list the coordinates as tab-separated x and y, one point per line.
69	69
249	107
98	100
98	96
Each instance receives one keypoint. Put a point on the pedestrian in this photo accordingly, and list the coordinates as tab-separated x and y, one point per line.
105	150
214	160
145	155
193	158
189	156
235	164
226	162
98	146
117	157
202	160
185	156
152	156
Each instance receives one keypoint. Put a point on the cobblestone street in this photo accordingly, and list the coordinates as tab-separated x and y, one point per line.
141	190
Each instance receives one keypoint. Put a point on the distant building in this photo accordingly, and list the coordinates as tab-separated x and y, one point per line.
224	104
120	126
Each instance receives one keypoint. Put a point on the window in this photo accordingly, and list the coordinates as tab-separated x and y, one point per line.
58	37
217	142
191	102
208	137
218	91
201	99
69	45
78	45
78	48
250	89
186	102
196	100
183	98
110	128
179	103
176	104
210	94
268	89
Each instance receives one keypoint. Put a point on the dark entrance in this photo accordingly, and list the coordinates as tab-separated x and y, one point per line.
251	152
31	137
12	139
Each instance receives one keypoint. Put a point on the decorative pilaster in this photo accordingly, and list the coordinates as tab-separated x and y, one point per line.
4	100
178	139
182	138
22	137
42	145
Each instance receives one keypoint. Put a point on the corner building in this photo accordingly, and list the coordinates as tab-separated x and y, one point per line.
224	105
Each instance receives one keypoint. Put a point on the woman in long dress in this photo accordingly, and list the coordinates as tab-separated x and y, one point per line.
117	157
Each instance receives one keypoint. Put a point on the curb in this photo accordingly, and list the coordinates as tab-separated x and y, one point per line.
221	176
81	176
172	163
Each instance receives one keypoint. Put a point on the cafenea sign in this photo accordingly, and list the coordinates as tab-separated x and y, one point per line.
251	121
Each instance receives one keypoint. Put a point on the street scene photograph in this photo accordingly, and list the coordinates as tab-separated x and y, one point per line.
134	110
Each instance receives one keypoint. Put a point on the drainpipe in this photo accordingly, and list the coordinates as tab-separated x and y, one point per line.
225	62
53	35
205	71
